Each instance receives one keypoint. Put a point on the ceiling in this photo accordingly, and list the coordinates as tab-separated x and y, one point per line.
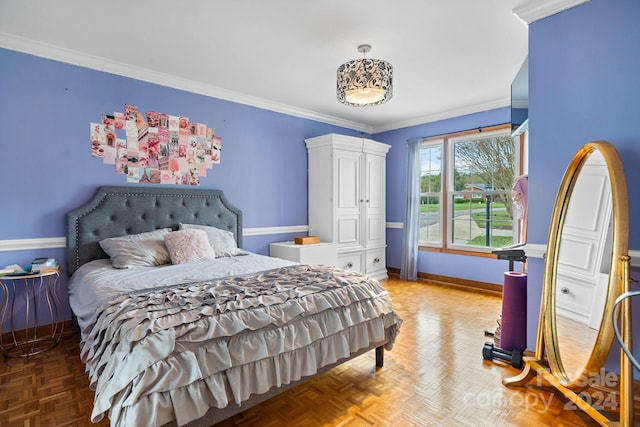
449	57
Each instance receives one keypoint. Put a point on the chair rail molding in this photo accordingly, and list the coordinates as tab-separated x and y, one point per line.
30	244
532	250
61	242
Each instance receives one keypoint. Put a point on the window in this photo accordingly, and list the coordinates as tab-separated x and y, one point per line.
431	193
465	191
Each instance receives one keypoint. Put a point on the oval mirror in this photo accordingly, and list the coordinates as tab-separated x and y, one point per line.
583	264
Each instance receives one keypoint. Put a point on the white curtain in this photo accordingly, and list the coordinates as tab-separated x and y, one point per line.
409	262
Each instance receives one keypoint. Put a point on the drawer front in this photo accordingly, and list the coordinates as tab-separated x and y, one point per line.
574	299
318	254
351	261
375	260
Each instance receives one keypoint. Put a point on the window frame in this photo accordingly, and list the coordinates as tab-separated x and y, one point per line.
447	142
440	143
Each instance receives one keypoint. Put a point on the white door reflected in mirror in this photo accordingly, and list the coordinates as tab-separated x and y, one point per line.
583	260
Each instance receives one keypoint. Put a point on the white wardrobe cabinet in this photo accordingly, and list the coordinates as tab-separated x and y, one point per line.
347	199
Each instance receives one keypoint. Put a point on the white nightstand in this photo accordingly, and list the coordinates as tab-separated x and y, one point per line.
317	253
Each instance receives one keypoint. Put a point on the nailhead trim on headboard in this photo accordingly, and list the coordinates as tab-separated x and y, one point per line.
116	211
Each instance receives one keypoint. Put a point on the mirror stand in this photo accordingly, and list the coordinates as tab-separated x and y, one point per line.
595	170
537	365
626	367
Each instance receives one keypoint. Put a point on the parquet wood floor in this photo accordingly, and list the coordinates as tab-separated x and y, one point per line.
434	376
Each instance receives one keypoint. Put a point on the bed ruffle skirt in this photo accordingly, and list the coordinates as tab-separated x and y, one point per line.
173	353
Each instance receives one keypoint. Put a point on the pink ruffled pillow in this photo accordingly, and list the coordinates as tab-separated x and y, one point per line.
188	245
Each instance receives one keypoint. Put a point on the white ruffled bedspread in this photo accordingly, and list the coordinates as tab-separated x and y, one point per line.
172	352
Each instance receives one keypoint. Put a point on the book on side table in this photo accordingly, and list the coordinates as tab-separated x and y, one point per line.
44	265
37	266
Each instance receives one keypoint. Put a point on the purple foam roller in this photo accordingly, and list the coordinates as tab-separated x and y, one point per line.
513	334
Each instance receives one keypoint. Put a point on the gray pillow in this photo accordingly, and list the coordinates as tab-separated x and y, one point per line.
138	250
221	241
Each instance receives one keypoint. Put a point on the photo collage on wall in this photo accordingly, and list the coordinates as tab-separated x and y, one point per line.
155	148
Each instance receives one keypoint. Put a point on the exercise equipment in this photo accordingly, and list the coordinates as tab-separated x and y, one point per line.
510	337
514	357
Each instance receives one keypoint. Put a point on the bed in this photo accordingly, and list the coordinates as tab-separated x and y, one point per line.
196	340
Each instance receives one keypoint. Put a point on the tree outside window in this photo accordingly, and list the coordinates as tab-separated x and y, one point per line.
471	188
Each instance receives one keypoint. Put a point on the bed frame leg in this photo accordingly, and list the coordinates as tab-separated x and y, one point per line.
75	327
379	357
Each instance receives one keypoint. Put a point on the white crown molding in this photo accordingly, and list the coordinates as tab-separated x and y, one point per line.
477	108
534	10
56	53
45	50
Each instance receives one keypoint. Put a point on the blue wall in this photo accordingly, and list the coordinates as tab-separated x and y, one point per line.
466	267
45	112
46	108
583	81
584	85
584	65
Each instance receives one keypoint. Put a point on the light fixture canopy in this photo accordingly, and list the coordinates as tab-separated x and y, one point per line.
365	81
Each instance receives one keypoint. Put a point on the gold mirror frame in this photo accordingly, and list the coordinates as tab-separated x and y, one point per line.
547	361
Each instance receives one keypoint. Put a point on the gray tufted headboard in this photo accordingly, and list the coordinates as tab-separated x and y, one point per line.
118	211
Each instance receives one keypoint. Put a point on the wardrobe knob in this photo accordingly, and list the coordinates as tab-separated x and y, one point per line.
564	290
349	264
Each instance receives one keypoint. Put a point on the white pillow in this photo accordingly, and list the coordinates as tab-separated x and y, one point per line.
137	250
221	241
188	245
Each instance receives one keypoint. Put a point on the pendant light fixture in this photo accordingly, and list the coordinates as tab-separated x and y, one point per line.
365	81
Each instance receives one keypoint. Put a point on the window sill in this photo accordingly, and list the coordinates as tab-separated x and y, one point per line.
457	252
